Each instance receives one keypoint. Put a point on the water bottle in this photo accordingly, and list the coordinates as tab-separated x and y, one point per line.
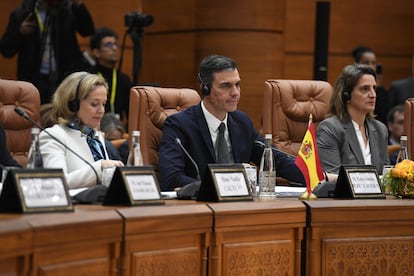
267	171
403	153
34	158
135	155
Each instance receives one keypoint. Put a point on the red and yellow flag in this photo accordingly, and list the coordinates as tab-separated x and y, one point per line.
307	159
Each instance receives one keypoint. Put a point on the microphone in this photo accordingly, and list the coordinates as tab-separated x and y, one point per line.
178	141
190	190
260	143
27	117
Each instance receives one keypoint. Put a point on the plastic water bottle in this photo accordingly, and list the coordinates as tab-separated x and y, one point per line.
267	171
34	158
135	155
403	153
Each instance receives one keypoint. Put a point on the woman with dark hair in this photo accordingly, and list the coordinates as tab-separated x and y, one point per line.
365	55
350	135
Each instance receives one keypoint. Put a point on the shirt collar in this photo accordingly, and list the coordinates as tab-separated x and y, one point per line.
212	122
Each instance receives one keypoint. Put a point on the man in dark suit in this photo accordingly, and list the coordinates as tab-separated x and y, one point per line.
197	129
400	90
5	158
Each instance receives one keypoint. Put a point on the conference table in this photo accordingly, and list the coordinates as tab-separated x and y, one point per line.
284	236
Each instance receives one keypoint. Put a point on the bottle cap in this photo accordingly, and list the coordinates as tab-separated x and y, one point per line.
35	130
268	136
136	133
403	137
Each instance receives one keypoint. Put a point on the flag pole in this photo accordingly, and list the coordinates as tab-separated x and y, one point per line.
308	194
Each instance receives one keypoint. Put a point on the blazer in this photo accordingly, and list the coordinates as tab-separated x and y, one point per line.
5	157
190	126
400	90
338	144
78	174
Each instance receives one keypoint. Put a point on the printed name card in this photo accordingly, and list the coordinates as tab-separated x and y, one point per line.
360	181
143	186
231	184
35	190
225	182
134	186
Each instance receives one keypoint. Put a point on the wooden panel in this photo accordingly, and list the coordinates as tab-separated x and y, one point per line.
85	242
15	245
257	238
241	14
170	60
373	237
166	240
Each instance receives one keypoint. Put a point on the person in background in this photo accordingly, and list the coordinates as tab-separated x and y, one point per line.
43	34
104	47
350	135
111	125
365	55
5	158
395	125
197	128
400	90
77	109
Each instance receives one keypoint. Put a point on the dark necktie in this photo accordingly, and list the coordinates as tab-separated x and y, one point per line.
223	155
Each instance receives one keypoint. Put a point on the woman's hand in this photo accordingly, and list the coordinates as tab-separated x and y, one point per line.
111	163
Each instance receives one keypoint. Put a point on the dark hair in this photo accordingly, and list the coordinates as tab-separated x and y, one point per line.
213	64
359	51
96	39
396	109
345	84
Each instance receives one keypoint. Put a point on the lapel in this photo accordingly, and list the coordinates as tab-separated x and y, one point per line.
204	132
235	132
353	141
373	142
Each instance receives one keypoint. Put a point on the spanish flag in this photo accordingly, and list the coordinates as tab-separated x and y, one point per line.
307	159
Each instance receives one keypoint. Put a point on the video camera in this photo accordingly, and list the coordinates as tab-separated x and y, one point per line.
138	20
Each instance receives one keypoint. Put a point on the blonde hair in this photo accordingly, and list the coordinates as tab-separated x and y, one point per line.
75	86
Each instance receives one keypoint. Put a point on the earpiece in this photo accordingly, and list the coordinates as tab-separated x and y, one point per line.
345	97
73	105
205	89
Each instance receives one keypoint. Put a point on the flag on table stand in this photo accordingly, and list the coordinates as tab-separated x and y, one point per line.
307	159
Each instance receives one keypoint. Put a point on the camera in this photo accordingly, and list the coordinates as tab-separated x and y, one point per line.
137	19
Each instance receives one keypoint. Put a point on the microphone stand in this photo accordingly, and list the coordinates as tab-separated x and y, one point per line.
27	117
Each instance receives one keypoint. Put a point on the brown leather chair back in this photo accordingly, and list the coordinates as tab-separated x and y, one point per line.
148	109
25	96
409	125
286	108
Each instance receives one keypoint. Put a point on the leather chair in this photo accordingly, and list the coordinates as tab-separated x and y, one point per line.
409	125
148	109
286	108
25	96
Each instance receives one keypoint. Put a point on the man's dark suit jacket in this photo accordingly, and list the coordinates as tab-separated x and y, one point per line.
5	158
191	128
400	90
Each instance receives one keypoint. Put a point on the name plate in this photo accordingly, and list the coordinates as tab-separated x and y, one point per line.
38	190
134	186
226	182
358	182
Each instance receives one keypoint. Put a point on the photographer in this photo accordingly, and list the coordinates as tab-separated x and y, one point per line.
43	34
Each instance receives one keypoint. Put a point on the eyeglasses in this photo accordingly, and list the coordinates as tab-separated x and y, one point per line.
110	45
